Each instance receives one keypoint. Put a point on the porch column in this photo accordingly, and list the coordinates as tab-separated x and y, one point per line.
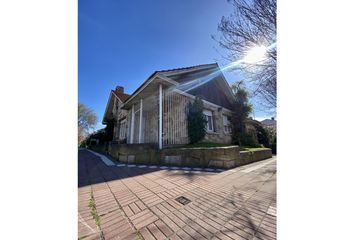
132	125
160	116
141	119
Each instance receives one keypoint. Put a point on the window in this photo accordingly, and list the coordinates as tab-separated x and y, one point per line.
209	117
227	124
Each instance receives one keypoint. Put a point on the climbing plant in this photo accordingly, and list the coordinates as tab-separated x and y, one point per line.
196	121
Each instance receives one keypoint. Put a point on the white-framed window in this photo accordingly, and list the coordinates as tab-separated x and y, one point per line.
227	124
209	117
123	129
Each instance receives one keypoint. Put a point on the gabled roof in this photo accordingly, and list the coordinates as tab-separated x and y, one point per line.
120	95
206	81
252	121
269	122
184	69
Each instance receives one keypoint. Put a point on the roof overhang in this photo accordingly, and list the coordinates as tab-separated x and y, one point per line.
178	71
108	107
204	101
148	88
222	82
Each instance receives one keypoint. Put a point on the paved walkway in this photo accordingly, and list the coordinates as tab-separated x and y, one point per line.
139	203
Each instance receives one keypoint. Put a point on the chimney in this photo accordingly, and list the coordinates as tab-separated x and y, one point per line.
272	118
120	89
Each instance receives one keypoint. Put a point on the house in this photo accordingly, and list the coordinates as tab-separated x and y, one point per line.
251	127
270	123
114	111
156	111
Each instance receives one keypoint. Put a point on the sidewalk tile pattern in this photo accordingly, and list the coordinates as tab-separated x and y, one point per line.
136	202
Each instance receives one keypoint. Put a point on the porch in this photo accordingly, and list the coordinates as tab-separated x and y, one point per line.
157	115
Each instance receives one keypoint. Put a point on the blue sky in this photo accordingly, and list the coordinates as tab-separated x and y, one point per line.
123	42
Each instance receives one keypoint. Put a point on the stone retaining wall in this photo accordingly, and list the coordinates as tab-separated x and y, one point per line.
218	157
101	148
135	153
254	156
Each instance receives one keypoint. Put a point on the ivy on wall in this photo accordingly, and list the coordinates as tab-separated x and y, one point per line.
196	121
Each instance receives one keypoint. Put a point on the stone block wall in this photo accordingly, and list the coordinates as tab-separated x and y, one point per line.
254	156
218	157
102	148
134	153
218	136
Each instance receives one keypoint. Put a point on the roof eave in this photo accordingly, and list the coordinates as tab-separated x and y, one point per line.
152	77
105	112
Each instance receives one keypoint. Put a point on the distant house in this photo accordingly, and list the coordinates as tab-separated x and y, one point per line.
270	123
157	110
251	127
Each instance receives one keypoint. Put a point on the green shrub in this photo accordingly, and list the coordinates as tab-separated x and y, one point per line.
273	145
108	131
241	109
262	135
196	121
248	140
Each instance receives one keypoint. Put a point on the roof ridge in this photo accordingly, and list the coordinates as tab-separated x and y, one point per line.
184	68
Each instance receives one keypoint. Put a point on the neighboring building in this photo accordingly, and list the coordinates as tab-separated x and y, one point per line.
251	127
270	123
96	137
157	111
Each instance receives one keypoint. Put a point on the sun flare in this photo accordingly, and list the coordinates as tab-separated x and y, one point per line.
255	54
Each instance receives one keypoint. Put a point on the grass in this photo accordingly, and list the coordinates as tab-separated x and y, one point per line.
212	145
95	216
248	148
139	236
203	145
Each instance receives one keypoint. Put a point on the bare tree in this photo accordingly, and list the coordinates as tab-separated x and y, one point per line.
87	119
253	23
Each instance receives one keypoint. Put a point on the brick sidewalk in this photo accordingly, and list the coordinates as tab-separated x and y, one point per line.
139	203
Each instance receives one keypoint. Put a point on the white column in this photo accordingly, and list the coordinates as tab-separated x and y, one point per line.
132	125
160	116
141	119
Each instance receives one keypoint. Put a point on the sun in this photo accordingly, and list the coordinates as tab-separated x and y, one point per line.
255	54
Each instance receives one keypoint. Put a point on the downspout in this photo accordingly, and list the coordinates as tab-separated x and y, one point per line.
160	116
132	126
141	119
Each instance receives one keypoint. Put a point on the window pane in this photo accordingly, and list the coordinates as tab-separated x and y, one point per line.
210	123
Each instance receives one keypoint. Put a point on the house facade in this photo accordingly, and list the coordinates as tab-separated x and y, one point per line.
115	112
156	113
270	123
